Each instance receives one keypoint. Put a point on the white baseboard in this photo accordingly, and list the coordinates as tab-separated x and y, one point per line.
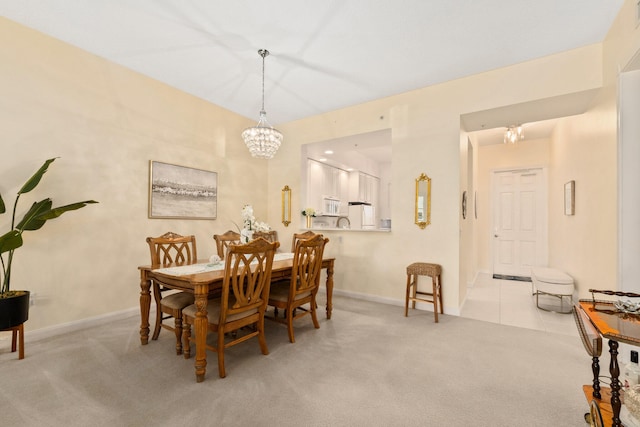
389	301
76	325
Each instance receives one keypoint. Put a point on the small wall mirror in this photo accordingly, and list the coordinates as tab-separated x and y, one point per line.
423	201
286	206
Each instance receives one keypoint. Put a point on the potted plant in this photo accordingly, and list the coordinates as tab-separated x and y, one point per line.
14	305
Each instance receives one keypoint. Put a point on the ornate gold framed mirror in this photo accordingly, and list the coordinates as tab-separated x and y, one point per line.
286	206
423	201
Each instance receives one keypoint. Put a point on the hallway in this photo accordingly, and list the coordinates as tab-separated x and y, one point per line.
510	302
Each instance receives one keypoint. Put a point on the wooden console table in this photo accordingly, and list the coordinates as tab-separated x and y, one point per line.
616	326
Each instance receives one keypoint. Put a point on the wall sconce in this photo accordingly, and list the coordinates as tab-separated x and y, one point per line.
286	206
423	201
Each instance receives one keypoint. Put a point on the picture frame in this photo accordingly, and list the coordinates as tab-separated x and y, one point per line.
181	192
570	198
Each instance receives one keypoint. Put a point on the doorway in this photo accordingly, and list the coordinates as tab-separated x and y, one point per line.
519	228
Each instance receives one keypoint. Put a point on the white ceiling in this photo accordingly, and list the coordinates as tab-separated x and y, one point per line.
325	55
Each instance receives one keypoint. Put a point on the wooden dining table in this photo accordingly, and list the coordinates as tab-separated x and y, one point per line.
201	284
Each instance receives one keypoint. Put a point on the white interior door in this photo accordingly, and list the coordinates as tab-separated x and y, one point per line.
519	222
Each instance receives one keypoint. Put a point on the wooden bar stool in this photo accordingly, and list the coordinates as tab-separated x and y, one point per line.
413	294
17	337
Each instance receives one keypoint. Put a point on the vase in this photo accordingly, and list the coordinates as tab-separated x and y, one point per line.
247	235
309	221
14	310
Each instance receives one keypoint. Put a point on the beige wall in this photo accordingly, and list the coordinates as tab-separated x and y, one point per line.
583	149
107	122
426	138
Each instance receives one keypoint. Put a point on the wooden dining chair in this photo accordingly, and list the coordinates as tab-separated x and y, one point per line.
224	240
245	290
300	236
168	249
269	236
301	289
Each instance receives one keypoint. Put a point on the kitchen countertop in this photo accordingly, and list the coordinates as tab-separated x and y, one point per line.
383	230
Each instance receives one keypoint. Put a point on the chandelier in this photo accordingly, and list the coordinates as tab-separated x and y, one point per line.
262	140
513	134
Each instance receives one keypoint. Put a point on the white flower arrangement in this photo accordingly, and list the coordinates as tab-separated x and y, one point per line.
261	226
249	224
309	212
247	217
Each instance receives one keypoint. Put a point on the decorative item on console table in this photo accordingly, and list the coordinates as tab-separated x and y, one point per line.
14	305
309	213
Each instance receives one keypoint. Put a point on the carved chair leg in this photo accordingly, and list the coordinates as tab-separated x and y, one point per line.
157	297
220	352
186	338
261	338
290	316
313	314
178	331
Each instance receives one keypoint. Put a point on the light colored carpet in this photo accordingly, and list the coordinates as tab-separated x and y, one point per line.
367	366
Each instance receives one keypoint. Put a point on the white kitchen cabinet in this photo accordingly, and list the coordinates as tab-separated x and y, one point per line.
327	185
315	185
344	192
367	187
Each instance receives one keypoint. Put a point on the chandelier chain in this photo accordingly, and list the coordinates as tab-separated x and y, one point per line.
264	53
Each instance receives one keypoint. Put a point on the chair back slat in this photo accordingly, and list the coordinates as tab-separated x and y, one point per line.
300	236
172	248
307	263
247	277
269	236
224	240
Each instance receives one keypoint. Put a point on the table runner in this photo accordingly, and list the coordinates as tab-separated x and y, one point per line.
206	267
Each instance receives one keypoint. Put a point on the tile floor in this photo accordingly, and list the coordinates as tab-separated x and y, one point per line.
511	302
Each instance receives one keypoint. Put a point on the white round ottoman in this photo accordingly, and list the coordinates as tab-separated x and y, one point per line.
549	281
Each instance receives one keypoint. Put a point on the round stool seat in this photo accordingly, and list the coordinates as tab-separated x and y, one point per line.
556	283
552	281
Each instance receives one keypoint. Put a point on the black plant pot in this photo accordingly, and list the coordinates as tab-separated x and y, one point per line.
14	310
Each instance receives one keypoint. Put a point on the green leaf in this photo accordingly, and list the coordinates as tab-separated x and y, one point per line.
30	221
56	212
10	241
2	207
35	179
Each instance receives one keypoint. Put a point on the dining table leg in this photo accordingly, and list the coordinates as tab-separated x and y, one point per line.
201	292
145	306
329	289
